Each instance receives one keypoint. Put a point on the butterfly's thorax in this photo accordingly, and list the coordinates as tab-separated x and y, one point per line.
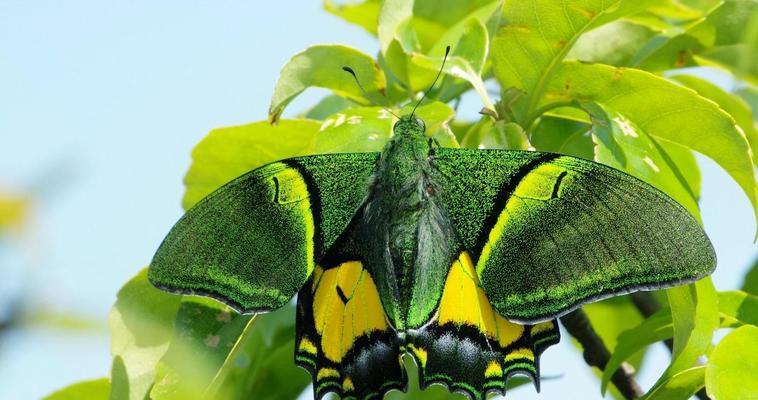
410	229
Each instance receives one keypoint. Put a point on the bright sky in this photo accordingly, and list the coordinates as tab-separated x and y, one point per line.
103	102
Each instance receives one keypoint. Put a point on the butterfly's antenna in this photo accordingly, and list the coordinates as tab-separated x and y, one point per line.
447	51
355	77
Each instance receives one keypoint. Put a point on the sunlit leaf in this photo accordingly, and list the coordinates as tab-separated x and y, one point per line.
369	128
663	110
96	389
205	333
364	14
738	308
227	153
738	108
681	385
321	66
615	43
694	311
141	328
623	145
327	106
733	366
536	35
654	329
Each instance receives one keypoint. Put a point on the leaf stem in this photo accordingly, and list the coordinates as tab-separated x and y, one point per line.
597	355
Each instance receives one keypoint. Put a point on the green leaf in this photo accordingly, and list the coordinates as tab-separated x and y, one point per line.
536	35
490	134
392	15
327	106
96	389
654	329
738	108
369	128
621	144
681	385
615	43
227	153
733	366
694	311
364	14
205	334
141	328
750	284
321	66
467	60
261	366
724	38
662	109
564	135
738	308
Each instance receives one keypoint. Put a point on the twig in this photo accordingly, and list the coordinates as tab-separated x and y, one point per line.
596	354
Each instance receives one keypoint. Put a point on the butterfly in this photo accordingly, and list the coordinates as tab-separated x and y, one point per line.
460	258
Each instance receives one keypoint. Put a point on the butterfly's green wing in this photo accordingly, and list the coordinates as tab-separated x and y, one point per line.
551	232
254	242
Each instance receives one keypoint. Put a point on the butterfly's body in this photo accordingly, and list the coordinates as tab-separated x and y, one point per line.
430	252
409	229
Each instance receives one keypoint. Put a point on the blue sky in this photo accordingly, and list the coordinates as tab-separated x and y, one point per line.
104	101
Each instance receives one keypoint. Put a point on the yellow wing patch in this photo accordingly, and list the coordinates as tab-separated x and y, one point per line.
543	183
346	306
464	303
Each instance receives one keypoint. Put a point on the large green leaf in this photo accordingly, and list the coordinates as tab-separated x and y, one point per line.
662	109
738	108
623	145
229	152
536	35
321	66
96	389
563	135
732	367
141	328
616	43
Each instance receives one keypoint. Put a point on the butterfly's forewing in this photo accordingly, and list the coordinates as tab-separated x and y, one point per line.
254	242
549	232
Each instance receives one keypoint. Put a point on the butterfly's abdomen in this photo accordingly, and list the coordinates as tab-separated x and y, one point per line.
419	243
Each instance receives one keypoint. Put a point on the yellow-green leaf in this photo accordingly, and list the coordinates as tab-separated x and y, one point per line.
733	367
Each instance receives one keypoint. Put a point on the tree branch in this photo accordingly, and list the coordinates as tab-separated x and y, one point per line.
596	354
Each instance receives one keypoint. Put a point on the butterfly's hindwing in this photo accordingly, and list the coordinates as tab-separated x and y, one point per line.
468	346
343	337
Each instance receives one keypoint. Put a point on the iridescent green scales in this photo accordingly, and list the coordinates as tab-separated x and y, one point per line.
460	258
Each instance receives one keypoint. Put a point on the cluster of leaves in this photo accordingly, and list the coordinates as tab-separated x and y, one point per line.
603	80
